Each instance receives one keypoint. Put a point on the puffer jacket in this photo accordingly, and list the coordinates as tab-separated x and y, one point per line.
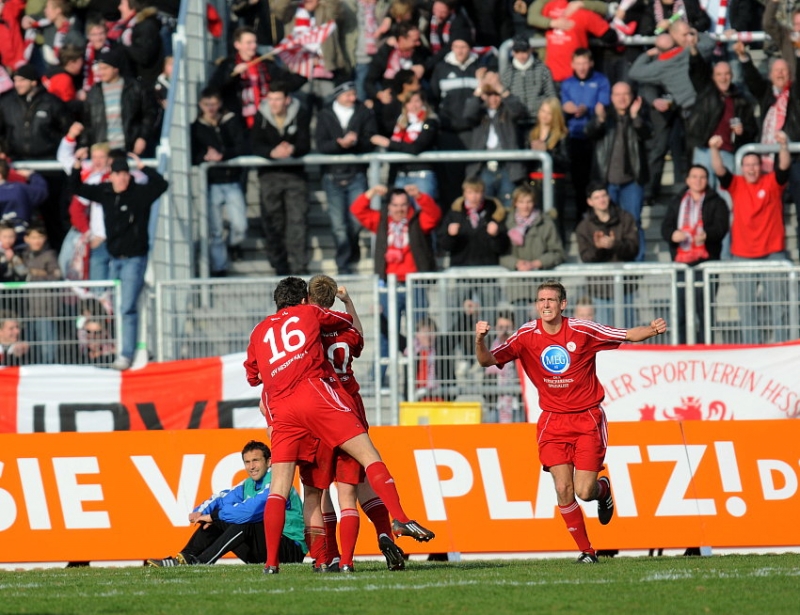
33	125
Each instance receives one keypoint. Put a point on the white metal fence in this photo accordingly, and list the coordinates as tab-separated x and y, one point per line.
423	349
73	323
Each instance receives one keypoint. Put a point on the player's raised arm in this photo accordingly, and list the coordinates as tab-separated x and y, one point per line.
350	308
482	353
640	334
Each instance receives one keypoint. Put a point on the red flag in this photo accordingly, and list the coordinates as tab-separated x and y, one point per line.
301	53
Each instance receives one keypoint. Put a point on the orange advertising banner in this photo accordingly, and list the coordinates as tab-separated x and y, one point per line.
127	495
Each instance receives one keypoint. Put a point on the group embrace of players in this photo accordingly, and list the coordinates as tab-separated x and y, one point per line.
302	356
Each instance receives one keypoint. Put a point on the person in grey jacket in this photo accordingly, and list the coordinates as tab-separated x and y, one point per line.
620	157
670	95
535	243
495	112
529	79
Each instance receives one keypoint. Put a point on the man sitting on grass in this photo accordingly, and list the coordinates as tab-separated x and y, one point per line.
233	520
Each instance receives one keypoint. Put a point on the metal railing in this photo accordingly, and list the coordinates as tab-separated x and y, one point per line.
71	323
200	318
373	163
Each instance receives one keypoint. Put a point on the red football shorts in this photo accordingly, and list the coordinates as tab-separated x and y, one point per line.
331	464
577	438
317	409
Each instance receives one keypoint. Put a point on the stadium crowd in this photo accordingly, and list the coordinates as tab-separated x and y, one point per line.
88	81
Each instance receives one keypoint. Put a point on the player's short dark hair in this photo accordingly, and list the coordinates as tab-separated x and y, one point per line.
322	290
255	445
553	285
290	291
3	169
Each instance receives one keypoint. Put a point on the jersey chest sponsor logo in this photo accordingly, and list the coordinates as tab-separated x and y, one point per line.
555	359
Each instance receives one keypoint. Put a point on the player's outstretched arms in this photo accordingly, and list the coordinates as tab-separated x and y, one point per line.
640	334
482	353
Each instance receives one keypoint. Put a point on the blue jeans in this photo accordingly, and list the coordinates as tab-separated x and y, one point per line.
630	197
702	156
99	263
360	79
341	191
772	305
498	184
427	183
231	196
130	273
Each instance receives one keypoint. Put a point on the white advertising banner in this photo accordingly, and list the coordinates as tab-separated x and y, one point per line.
647	383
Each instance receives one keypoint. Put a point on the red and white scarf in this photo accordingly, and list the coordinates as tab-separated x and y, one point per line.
398	233
370	26
36	29
517	234
436	39
122	30
773	122
254	89
89	71
411	131
397	60
690	221
474	214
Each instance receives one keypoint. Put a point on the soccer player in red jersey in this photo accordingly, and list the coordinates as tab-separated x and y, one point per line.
304	398
558	354
341	347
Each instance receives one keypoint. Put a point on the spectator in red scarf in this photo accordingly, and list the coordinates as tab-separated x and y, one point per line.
696	222
244	79
138	33
407	53
414	133
97	42
46	36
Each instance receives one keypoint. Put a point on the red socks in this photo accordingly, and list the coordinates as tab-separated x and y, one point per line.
376	512
274	518
348	530
332	548
316	541
602	490
383	485
573	517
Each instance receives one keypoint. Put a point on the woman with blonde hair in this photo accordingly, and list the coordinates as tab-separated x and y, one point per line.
415	132
550	135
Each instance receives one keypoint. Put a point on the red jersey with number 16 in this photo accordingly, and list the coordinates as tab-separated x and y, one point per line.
286	348
562	365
